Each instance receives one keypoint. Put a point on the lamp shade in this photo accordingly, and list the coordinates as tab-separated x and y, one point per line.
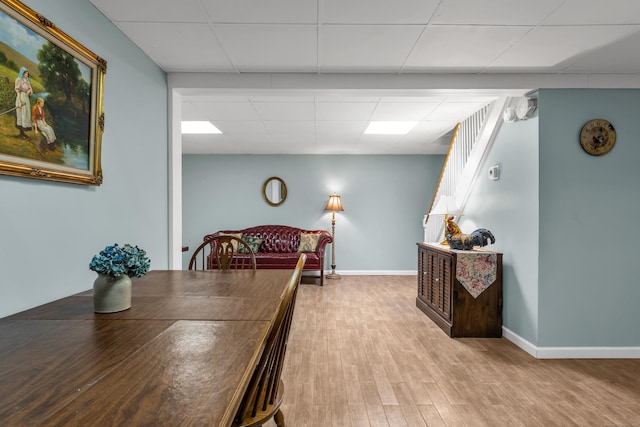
446	205
334	203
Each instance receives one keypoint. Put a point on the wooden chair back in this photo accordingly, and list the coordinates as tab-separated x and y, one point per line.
263	397
223	253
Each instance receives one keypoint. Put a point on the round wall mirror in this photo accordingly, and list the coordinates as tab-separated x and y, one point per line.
274	191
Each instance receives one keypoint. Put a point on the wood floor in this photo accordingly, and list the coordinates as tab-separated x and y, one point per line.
361	354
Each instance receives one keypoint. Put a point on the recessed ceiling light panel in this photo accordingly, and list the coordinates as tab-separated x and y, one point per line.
201	127
389	128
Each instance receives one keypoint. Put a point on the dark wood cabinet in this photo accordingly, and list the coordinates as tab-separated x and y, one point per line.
443	297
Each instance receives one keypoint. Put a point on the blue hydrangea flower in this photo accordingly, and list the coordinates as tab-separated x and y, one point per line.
115	261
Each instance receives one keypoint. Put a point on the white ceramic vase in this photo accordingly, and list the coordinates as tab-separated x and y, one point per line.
111	294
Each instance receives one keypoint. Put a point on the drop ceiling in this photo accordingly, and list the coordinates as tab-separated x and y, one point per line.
462	39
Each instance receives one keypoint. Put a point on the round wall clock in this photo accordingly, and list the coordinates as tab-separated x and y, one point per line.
597	137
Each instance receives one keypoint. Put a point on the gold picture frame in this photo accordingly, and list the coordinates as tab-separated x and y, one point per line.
51	100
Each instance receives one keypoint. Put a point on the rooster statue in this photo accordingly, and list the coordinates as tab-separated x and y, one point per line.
457	240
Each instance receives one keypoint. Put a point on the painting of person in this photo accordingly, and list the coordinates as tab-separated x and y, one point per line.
23	106
40	123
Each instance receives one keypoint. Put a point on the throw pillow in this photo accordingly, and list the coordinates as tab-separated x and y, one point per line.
234	244
253	242
308	242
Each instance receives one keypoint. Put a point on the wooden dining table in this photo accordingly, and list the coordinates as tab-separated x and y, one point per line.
181	355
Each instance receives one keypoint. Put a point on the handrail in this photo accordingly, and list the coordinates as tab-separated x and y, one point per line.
471	140
446	160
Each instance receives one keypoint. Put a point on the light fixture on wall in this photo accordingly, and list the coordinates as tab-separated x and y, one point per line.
509	115
447	206
334	204
525	107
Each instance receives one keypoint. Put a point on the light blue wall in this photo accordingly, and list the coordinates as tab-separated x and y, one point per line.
565	221
49	231
509	208
384	199
589	290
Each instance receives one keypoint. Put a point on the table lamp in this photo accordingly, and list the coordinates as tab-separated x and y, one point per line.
446	205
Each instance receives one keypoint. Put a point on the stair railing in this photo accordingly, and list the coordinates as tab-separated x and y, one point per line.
469	144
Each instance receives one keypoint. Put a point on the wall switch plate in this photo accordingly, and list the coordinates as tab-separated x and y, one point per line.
494	173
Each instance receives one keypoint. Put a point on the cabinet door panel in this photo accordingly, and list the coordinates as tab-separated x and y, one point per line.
443	278
434	283
425	269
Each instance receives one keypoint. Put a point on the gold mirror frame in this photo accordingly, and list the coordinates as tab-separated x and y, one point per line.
283	191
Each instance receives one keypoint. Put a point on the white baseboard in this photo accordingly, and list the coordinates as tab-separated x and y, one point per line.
571	352
520	342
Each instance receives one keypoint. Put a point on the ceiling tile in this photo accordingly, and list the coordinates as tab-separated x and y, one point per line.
473	99
351	129
581	12
212	110
365	47
225	146
608	59
427	130
277	128
179	47
368	138
402	111
377	144
241	127
454	111
340	139
272	11
416	99
192	113
143	11
544	48
259	48
376	11
461	47
346	97
247	139
344	110
293	111
294	139
494	12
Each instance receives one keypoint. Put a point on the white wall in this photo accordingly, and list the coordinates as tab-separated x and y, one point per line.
49	231
384	199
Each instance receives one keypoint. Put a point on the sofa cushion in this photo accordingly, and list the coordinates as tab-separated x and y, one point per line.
308	242
253	242
234	244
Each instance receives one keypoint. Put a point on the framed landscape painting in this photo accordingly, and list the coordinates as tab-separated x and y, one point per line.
51	100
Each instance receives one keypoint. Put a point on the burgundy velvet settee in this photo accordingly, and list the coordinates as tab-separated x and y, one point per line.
279	244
